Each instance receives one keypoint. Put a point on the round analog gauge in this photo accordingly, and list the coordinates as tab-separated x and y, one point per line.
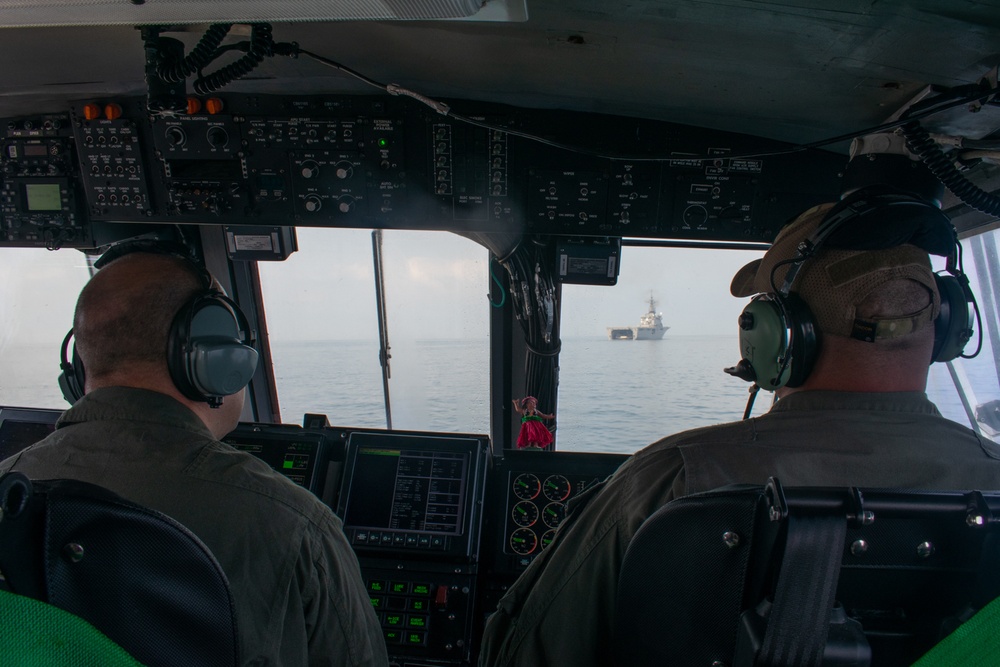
548	537
556	487
523	541
553	514
526	486
524	513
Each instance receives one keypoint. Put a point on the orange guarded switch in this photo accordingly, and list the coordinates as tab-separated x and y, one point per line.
91	111
193	105
112	111
213	105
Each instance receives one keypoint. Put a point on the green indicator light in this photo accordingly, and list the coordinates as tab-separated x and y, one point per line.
383	143
288	464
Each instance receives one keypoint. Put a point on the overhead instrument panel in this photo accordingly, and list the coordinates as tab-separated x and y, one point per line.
39	185
389	162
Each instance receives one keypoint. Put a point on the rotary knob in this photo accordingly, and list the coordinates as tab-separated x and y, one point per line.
345	203
344	170
217	137
313	203
310	169
176	136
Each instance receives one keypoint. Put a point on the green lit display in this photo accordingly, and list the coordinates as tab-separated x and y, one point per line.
43	196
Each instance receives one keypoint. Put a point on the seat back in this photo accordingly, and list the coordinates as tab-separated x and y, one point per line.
738	576
138	576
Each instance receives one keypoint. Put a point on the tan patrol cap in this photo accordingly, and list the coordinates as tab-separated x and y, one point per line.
834	281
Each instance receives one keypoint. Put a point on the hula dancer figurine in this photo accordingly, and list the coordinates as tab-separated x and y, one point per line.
533	432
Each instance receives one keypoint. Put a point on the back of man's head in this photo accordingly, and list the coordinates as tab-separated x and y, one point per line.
124	313
873	308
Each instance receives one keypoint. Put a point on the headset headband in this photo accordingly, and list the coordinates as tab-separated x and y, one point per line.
902	219
156	247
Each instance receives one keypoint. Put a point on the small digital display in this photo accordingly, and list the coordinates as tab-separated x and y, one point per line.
427	490
21	427
15	436
36	150
43	196
297	455
414	493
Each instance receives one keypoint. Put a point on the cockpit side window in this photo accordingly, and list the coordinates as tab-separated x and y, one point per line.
38	292
968	390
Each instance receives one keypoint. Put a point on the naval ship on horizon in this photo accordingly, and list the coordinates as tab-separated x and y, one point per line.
650	327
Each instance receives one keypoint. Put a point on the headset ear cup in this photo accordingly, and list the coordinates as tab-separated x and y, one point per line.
804	339
207	355
762	342
72	378
178	341
953	326
765	325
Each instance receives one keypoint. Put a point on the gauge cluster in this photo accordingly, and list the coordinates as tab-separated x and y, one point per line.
536	505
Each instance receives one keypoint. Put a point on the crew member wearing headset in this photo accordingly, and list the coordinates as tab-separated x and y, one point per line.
851	410
163	357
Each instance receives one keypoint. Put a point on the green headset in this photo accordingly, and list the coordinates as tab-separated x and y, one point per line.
210	351
779	338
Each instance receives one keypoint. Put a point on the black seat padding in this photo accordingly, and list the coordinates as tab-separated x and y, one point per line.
702	580
138	576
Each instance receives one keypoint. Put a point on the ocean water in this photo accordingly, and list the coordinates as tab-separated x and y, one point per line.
614	396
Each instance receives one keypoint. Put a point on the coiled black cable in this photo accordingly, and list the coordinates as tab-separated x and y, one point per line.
920	143
261	46
201	55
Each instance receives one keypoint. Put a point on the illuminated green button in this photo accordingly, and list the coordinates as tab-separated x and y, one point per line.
394	620
376	602
418	605
422	589
393	636
415	638
417	622
399	587
376	586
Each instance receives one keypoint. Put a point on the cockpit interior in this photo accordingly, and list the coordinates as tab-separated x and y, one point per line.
562	140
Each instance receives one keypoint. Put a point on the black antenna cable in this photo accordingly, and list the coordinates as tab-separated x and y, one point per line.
261	46
201	55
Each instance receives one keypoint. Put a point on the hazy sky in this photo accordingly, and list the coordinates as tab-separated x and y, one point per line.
436	287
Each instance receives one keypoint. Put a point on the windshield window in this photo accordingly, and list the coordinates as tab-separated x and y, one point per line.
323	325
621	394
614	395
38	297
